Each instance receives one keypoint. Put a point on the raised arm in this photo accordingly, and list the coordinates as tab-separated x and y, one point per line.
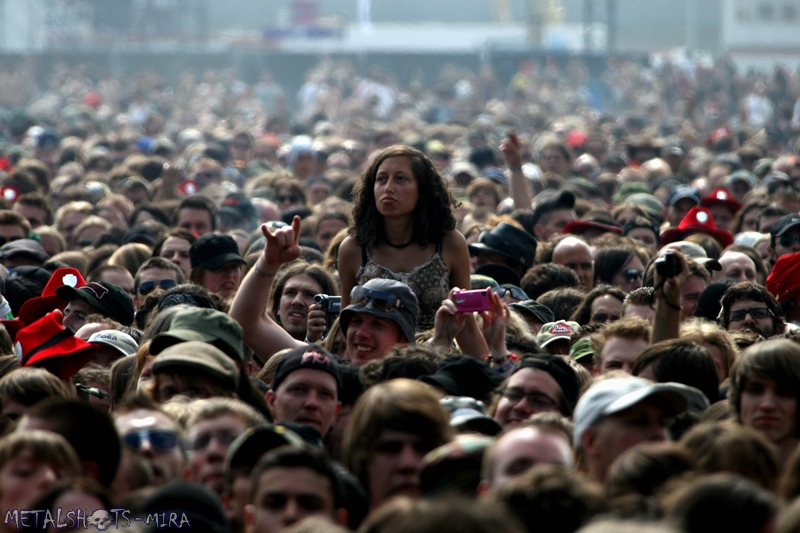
518	187
456	255
249	307
669	300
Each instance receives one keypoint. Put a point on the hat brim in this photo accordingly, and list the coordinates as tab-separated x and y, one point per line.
220	260
257	441
556	338
190	361
407	328
120	349
531	312
36	308
162	341
448	383
733	205
671	235
683	197
676	398
483	423
65	358
577	226
793	225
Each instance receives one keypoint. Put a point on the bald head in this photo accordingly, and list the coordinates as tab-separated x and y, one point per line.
576	255
736	266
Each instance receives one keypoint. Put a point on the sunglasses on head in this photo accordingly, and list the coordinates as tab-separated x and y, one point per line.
632	274
287	198
159	439
146	287
516	292
380	300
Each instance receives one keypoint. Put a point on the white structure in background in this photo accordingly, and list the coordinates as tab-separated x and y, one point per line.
23	25
760	33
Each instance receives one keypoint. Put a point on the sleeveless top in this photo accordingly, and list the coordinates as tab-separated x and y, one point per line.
430	282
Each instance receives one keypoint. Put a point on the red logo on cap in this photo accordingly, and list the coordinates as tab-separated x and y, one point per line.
562	328
315	358
97	289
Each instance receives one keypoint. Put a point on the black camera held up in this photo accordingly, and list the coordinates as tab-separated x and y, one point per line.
331	305
667	266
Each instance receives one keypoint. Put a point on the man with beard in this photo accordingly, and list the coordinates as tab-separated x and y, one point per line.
750	307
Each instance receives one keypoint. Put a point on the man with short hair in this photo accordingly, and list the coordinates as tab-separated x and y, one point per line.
640	302
552	213
736	266
576	255
616	414
520	447
784	237
289	484
750	307
156	273
617	345
149	432
13	226
328	226
242	457
114	274
197	215
679	201
211	428
34	207
305	388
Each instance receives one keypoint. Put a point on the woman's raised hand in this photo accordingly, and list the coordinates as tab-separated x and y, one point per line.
282	246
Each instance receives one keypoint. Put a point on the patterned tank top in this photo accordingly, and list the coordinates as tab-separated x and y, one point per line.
430	282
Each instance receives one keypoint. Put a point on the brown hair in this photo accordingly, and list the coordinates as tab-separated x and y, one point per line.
630	327
433	215
399	405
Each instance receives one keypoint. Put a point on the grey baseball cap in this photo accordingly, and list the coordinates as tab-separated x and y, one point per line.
617	394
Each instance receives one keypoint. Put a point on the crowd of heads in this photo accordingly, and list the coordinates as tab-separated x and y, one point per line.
635	231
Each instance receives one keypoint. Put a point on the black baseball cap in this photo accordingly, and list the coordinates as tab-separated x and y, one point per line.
562	200
214	250
110	300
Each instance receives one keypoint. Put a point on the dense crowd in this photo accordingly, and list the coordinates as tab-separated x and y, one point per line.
566	302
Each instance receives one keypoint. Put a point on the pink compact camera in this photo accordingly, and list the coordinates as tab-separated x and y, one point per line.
469	301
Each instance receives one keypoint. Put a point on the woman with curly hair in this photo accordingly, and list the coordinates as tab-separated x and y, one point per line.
404	229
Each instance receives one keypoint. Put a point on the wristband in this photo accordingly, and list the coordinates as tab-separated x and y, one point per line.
515	169
263	274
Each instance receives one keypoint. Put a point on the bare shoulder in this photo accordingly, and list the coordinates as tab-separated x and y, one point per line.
453	241
349	247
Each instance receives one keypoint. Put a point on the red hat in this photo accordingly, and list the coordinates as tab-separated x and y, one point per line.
35	308
576	138
721	196
697	220
48	344
784	280
13	327
577	226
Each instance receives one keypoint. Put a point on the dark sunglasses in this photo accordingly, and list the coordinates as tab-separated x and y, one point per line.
382	301
146	287
632	274
159	439
516	292
287	198
755	312
787	240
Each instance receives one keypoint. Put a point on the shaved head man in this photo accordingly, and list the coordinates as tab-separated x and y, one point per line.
736	266
576	255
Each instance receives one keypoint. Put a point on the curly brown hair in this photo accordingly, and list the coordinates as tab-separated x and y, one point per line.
433	215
